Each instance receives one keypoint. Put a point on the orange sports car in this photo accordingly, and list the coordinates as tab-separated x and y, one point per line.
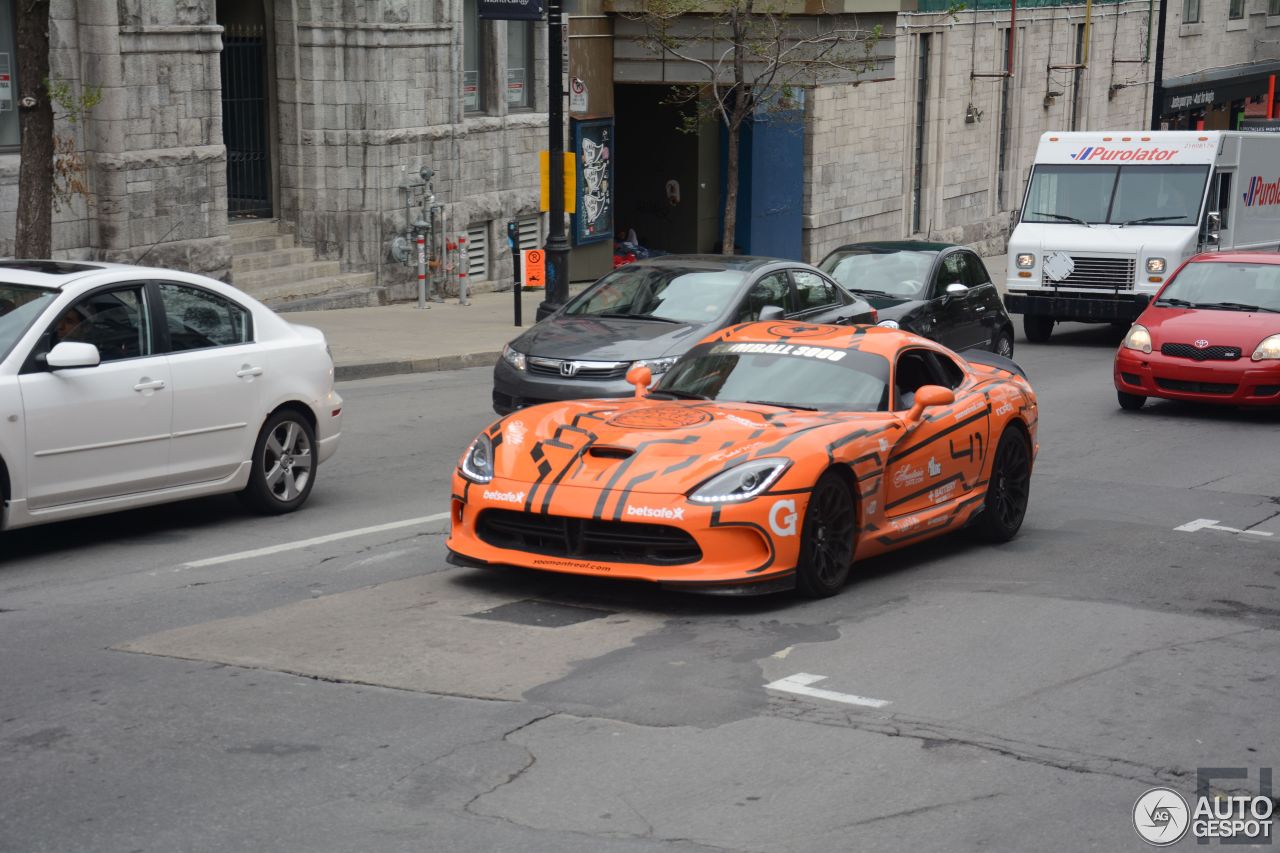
771	456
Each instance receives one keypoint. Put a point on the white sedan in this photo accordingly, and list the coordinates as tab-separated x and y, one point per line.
124	386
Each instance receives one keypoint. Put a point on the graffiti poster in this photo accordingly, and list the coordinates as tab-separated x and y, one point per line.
593	145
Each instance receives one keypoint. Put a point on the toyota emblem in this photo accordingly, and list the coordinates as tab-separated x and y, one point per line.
568	368
1201	344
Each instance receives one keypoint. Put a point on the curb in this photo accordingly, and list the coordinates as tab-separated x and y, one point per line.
371	369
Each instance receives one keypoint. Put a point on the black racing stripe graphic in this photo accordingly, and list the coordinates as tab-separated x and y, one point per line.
628	462
873	486
773	554
926	490
626	492
775	492
971	453
538	455
590	439
907	451
783	442
684	463
937	530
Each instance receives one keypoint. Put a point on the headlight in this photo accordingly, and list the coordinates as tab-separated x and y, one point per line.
477	462
741	482
512	357
1155	265
657	365
1269	348
1138	338
1025	261
889	324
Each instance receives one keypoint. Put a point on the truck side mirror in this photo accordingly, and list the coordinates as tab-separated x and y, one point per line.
1215	227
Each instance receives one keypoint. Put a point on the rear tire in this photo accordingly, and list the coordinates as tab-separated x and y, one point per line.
1003	343
827	539
1008	489
1038	329
1130	402
284	465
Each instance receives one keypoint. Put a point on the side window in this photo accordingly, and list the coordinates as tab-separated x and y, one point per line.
198	319
770	290
813	291
913	370
977	270
952	272
114	321
953	375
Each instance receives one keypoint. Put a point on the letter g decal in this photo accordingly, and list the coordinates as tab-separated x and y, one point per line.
782	518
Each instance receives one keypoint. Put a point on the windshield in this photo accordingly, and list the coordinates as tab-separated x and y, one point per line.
1224	285
1119	195
789	375
659	293
894	273
20	305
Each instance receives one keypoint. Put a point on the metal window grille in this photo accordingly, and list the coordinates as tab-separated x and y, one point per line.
530	232
478	252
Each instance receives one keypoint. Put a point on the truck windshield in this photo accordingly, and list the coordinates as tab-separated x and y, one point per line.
1116	195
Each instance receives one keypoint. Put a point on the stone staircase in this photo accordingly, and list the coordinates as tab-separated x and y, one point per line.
268	265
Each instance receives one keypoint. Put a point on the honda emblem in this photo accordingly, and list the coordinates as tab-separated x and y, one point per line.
568	368
1201	344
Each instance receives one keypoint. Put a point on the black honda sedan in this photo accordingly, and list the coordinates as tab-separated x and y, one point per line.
652	312
937	290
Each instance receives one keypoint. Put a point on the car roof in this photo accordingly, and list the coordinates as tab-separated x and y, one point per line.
58	274
742	263
897	246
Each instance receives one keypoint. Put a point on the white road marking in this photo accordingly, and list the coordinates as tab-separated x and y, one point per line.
1212	524
799	683
317	540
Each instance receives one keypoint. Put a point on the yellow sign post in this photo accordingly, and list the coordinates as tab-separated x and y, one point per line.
570	181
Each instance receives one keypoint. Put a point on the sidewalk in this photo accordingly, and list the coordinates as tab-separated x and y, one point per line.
391	339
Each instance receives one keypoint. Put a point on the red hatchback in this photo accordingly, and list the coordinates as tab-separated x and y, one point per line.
1212	335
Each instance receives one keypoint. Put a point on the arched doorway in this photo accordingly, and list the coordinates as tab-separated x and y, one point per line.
246	108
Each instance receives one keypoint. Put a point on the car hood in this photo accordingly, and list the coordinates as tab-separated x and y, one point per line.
1241	329
608	339
892	307
652	446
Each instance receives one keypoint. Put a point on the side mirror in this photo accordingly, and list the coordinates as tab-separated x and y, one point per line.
1215	227
771	312
928	396
640	376
955	288
72	354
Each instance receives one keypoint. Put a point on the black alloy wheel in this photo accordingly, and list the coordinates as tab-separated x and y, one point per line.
1008	489
827	538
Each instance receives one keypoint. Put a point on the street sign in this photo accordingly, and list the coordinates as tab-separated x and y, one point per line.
510	10
577	95
534	267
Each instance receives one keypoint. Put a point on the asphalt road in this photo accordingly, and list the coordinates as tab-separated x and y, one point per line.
164	692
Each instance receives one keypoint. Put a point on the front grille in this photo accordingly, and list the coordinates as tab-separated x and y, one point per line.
1266	390
538	366
587	539
1196	387
1213	353
1099	273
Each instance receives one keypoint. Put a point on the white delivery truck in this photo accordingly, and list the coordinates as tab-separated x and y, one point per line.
1108	216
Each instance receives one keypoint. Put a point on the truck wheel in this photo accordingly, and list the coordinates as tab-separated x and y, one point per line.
1038	329
1130	402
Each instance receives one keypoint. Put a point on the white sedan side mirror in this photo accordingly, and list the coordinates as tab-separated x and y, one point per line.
73	354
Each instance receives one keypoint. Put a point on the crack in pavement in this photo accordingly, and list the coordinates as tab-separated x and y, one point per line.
937	735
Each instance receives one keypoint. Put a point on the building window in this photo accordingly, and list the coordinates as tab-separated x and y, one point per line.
922	113
1236	10
9	137
1077	86
474	49
1273	7
519	65
1191	11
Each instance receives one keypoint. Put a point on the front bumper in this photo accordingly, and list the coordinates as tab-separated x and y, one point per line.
736	544
514	389
1233	383
1082	307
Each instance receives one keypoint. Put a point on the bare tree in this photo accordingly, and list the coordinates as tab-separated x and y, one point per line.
35	117
754	55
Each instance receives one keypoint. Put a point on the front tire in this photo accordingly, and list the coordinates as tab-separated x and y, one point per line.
1008	489
284	465
1038	329
827	538
1130	402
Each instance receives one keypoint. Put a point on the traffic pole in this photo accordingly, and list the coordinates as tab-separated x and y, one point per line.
513	240
422	271
557	243
462	270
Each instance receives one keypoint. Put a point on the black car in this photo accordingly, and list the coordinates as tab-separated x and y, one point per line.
653	311
937	290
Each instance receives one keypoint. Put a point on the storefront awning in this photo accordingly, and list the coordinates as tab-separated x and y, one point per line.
1216	86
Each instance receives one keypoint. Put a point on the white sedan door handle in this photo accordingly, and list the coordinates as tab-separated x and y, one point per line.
249	371
149	385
